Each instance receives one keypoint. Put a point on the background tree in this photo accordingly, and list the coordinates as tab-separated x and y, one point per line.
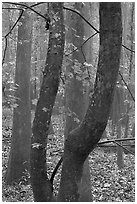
75	100
21	129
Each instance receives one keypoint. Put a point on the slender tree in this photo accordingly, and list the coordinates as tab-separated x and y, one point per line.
82	140
42	188
21	129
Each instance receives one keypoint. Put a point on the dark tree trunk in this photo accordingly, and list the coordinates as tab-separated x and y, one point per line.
81	141
42	188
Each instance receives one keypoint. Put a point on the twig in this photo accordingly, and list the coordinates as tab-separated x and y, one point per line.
107	141
4	54
124	148
12	8
3	59
69	9
128	48
93	26
27	7
37	4
15	23
55	170
124	145
81	44
126	86
115	140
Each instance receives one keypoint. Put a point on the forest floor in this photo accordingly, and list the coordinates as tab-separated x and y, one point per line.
109	183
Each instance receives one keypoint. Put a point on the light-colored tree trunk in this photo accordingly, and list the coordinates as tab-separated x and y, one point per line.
21	129
76	96
120	160
131	63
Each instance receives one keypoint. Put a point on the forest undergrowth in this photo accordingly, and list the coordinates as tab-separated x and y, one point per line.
108	183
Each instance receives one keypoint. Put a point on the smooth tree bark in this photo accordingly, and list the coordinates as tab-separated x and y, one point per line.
21	129
82	140
42	188
75	93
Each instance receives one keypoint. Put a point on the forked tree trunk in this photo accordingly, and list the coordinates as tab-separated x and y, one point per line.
81	141
21	129
42	188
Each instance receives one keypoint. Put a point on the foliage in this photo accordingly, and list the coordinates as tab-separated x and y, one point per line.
109	183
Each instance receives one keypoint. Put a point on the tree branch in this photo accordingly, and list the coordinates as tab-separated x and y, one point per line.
115	140
8	34
126	86
98	145
93	26
128	48
55	169
4	54
124	148
28	7
69	9
12	8
15	23
82	44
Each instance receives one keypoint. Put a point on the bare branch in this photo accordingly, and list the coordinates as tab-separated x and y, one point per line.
27	7
116	140
124	148
55	170
69	9
6	42
15	23
12	8
82	44
128	49
124	145
126	86
92	25
4	54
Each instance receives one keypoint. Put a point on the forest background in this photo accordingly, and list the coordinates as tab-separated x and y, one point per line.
113	160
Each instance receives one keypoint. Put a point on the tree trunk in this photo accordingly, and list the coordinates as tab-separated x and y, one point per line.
82	140
120	161
21	130
42	188
76	99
